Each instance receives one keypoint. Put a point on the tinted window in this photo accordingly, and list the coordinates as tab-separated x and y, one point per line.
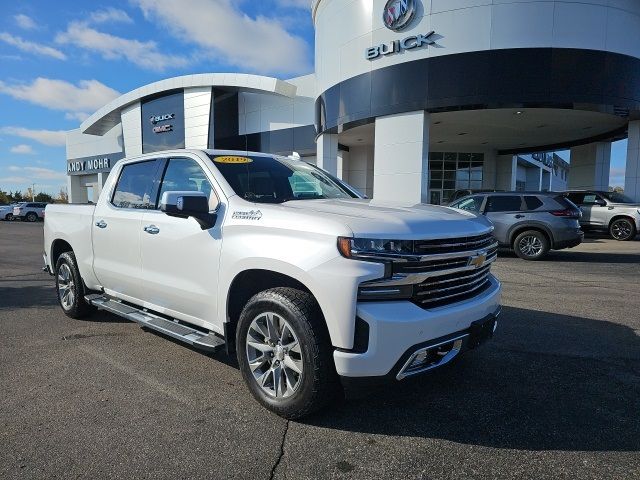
576	197
504	203
471	204
532	202
185	175
135	186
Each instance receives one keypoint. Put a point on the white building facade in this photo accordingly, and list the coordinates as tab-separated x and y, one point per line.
411	100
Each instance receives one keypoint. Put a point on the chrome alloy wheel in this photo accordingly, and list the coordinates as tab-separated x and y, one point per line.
621	230
530	245
66	287
274	355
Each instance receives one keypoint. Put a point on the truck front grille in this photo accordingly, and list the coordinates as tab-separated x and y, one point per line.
451	288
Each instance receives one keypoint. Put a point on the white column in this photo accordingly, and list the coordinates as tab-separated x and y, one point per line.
507	168
632	172
590	165
76	189
327	153
534	179
490	170
197	109
131	117
401	158
342	164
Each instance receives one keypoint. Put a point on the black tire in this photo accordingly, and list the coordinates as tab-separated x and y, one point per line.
319	384
8	217
76	307
622	229
531	245
31	217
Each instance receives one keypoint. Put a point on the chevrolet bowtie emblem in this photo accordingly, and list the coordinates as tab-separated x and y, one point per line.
478	260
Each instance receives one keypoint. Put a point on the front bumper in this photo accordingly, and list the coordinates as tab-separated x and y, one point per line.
398	329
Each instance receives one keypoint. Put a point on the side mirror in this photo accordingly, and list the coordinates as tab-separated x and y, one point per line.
188	204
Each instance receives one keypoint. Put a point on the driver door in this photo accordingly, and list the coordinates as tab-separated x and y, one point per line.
180	260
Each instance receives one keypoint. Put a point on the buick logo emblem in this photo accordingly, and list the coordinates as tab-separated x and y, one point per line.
398	14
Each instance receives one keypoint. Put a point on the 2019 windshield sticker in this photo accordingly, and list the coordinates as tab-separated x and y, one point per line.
250	215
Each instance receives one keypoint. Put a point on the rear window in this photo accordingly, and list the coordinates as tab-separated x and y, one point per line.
504	203
532	202
565	202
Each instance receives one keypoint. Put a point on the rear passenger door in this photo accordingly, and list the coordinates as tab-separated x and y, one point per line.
504	211
117	229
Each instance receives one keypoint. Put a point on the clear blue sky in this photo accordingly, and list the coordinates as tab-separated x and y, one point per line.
60	61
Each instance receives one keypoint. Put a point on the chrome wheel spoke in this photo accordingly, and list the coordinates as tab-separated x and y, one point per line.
274	355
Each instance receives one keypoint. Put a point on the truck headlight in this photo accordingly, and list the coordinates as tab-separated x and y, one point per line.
374	249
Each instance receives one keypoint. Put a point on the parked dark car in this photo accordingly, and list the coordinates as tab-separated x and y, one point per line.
529	223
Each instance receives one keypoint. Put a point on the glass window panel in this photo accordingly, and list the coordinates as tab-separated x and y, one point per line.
464	157
435	184
135	186
435	165
476	174
450	156
449	175
436	174
475	184
462	175
447	195
464	164
436	155
449	165
449	184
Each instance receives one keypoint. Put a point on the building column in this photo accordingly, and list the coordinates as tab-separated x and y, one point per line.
534	179
197	110
507	169
327	153
401	158
590	165
76	189
131	118
632	172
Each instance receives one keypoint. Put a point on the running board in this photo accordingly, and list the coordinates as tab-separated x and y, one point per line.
197	338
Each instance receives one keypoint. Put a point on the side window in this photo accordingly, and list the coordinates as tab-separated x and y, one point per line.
185	175
576	197
532	202
135	186
504	203
589	199
471	204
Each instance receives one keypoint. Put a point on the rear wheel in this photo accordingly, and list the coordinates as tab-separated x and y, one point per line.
622	229
284	353
70	287
31	217
8	217
531	245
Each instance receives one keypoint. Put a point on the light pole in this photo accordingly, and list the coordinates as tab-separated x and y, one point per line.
33	192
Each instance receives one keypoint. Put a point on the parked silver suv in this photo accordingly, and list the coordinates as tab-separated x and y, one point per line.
610	211
529	223
29	211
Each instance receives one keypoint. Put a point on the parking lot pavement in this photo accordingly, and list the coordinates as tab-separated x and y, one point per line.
556	394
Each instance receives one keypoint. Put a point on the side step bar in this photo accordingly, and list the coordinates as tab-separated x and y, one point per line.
197	338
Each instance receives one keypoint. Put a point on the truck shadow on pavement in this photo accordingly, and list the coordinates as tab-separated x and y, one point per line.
545	382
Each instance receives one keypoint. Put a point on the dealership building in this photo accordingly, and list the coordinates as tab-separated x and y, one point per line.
410	100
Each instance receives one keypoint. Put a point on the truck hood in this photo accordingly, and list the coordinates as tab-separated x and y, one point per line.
368	219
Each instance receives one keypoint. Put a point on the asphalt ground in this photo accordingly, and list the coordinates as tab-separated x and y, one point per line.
555	394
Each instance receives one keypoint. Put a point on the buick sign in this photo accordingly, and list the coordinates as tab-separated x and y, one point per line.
161	118
398	14
397	46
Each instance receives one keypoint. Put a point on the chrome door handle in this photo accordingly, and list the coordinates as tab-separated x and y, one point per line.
152	229
101	224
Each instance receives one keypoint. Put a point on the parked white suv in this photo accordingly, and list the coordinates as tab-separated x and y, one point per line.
29	211
282	264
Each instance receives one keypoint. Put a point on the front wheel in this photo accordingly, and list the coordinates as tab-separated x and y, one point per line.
31	217
8	217
531	245
284	353
622	229
70	287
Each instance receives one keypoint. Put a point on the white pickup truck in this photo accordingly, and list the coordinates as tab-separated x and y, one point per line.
309	284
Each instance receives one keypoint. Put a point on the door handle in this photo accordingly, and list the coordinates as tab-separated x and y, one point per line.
101	224
152	229
519	216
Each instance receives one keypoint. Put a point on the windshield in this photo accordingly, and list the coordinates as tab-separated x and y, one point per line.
276	180
617	197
